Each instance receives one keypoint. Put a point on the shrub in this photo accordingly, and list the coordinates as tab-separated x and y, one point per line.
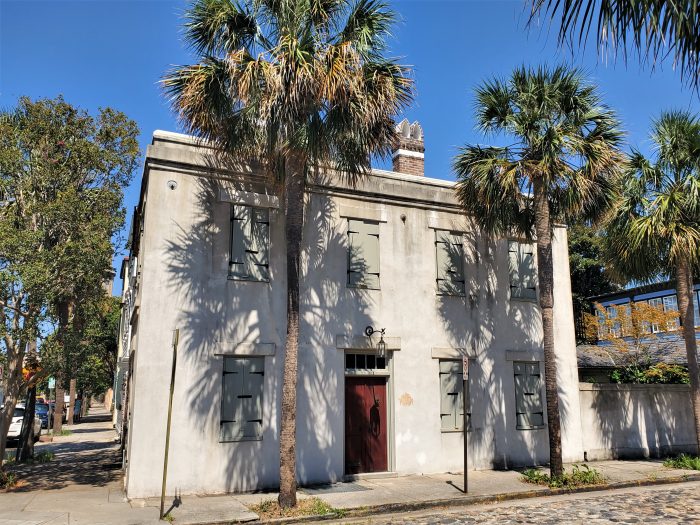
578	477
660	373
684	461
7	479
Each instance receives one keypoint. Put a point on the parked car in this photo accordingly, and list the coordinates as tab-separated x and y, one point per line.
52	408
16	425
42	412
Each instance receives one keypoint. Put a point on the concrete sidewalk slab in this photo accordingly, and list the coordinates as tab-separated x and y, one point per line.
33	518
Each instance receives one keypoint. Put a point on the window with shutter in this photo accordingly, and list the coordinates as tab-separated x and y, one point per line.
529	412
523	274
242	398
449	256
250	243
451	396
363	254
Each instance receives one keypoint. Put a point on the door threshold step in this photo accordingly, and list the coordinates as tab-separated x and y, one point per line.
370	475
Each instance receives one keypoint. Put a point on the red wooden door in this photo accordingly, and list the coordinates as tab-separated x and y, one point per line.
365	425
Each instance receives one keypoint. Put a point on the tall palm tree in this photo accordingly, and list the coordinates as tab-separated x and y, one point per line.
655	229
292	84
563	163
656	29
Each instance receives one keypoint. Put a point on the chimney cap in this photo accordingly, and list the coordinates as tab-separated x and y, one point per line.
409	131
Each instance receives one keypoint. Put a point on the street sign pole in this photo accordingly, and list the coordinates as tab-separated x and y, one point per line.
465	422
176	337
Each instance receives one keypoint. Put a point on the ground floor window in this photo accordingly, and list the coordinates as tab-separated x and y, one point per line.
452	396
528	395
242	399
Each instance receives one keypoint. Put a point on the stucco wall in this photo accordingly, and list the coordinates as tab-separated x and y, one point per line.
634	421
184	284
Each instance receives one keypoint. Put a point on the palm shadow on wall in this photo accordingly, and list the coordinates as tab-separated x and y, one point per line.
485	323
211	311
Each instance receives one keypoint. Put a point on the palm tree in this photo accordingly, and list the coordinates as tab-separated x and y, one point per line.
563	164
292	84
655	229
656	29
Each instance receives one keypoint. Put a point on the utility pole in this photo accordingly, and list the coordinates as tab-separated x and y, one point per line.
176	337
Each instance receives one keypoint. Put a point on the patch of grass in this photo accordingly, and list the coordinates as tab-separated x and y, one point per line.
7	479
169	518
578	477
684	461
44	457
63	432
269	509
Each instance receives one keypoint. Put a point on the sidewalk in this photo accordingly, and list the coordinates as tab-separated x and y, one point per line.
82	485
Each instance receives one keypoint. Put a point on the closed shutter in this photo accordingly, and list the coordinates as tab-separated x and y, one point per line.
449	253
528	397
451	395
363	254
240	231
521	259
258	252
242	398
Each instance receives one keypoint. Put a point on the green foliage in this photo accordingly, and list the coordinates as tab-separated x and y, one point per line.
62	174
305	79
578	477
270	509
658	29
561	135
684	461
660	373
8	479
656	222
62	432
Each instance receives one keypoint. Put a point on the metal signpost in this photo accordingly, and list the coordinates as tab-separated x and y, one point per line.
176	337
465	422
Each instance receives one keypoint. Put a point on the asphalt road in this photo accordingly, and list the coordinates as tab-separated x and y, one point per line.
659	504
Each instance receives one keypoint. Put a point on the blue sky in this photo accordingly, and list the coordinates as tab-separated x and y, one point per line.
112	53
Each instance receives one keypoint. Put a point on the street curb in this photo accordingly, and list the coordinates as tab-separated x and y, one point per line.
473	500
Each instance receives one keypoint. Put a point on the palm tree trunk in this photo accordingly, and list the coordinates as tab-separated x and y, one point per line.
294	222
684	290
545	275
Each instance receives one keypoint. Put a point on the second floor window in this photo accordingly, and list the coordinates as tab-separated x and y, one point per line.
250	243
363	254
523	274
449	253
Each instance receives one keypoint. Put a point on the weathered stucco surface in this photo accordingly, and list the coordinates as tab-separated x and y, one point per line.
636	421
183	284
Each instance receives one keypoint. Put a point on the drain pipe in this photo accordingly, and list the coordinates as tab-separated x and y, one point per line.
176	337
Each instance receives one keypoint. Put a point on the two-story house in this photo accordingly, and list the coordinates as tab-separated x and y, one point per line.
393	252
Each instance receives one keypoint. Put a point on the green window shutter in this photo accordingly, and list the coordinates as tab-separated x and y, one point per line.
231	388
451	399
258	251
528	271
363	254
242	399
449	253
240	232
528	398
514	267
521	262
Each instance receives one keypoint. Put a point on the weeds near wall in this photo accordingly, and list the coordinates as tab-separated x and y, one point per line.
578	477
7	479
684	461
269	509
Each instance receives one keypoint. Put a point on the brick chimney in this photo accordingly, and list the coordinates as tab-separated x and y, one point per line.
409	153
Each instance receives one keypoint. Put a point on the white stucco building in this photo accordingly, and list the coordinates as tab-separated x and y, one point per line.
394	252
